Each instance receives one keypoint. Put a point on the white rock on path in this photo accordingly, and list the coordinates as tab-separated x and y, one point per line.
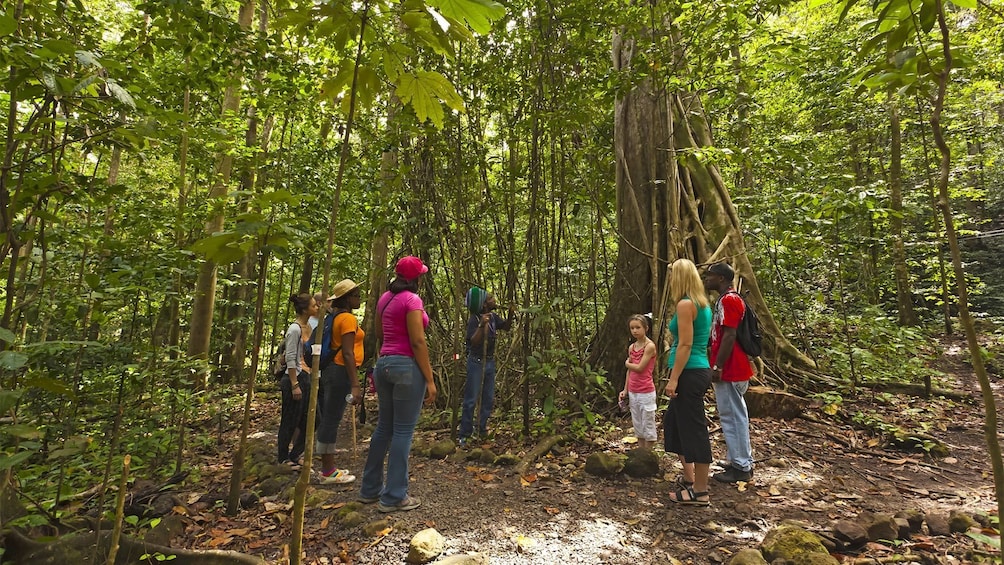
425	546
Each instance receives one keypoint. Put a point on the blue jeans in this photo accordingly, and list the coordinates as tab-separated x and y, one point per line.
293	418
400	392
472	389
331	406
735	422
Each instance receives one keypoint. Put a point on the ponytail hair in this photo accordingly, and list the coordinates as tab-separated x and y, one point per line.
300	302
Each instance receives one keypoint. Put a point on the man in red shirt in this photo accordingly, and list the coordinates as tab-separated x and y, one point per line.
730	373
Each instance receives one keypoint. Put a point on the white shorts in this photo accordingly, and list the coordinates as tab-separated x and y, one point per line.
643	409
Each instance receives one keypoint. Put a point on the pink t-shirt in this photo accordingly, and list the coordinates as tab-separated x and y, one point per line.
394	310
640	381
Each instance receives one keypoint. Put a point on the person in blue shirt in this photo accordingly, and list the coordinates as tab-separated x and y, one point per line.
483	326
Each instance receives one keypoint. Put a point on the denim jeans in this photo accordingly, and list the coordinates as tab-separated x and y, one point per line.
293	419
400	392
735	422
472	389
331	406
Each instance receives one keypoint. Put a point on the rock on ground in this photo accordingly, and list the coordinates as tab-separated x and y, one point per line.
425	546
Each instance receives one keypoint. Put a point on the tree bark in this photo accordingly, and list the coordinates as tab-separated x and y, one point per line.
205	287
656	133
966	319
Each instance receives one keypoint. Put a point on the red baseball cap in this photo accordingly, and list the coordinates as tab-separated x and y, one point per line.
410	267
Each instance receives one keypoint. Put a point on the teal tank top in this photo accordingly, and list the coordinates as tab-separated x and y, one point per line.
702	331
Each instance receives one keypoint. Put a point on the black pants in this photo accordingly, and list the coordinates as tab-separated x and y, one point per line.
685	426
293	422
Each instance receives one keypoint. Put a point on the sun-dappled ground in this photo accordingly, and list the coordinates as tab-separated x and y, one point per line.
813	470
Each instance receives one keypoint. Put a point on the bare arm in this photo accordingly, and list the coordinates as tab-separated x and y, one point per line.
645	358
479	334
349	355
724	352
416	336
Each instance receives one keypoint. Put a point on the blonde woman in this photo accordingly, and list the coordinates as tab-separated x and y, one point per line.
685	424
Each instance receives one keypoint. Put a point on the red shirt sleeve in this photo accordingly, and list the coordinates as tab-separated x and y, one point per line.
733	310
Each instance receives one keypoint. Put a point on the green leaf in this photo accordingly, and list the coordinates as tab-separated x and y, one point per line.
848	4
928	15
12	360
8	461
50	385
424	90
120	94
478	14
23	431
88	59
6	335
8	25
223	247
971	4
8	399
60	46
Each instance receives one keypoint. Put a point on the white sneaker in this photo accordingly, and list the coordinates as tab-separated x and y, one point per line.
337	477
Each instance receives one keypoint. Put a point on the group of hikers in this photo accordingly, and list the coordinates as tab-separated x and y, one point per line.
704	353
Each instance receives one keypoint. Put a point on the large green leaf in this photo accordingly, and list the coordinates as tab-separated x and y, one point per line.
12	360
8	461
6	335
223	247
479	14
7	25
965	3
8	399
424	91
50	385
23	431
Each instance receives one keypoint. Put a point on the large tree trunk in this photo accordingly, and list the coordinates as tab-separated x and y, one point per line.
661	183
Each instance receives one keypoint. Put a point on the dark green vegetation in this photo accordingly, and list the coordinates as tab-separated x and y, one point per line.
172	170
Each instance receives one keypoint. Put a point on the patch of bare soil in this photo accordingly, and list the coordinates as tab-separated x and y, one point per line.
814	471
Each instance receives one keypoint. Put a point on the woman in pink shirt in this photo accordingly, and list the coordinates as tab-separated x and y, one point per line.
403	378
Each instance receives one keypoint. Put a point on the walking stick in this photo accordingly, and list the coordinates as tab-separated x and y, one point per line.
484	367
354	448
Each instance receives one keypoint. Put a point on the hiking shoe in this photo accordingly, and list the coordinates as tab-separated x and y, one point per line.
367	499
462	443
409	503
336	477
733	475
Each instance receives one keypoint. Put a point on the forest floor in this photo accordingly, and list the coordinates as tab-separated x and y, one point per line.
814	471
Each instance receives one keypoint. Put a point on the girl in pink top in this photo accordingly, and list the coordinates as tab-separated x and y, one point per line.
639	388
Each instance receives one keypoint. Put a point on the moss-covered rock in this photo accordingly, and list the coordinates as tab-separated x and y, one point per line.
348	509
506	460
959	522
604	464
641	463
374	528
352	519
442	449
748	556
797	545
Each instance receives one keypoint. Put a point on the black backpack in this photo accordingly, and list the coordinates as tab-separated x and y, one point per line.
748	333
279	361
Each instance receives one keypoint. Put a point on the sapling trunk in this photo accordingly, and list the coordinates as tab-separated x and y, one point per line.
119	511
975	351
